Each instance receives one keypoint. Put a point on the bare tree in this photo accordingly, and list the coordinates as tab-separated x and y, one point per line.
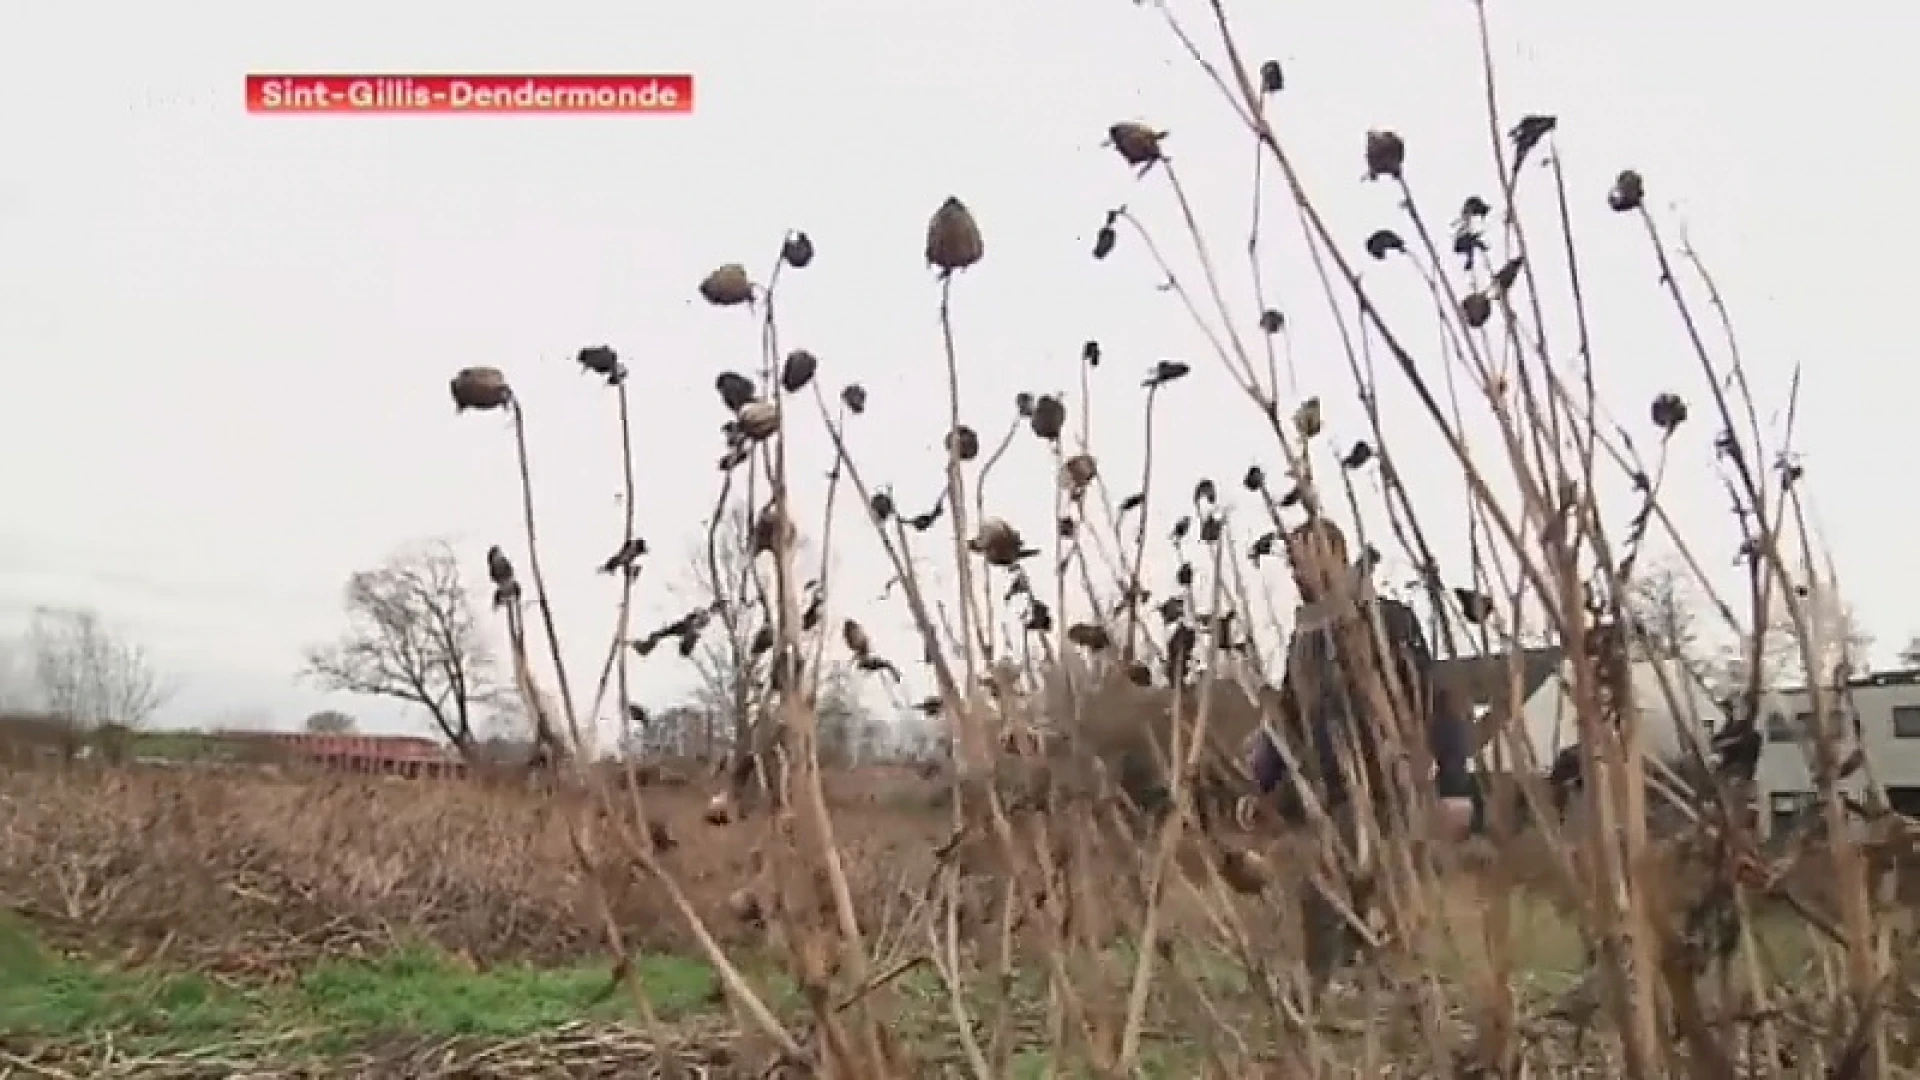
18	690
411	636
90	677
725	575
1665	605
1840	643
1910	653
330	722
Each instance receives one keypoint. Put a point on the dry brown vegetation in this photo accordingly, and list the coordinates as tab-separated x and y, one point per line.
1042	924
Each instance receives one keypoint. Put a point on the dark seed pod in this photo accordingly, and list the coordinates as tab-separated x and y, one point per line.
480	388
999	543
797	250
1255	479
881	506
1527	134
1473	208
603	361
798	371
1103	241
1476	309
1669	412
758	420
953	237
1138	144
772	530
499	567
1386	155
1166	371
1090	354
1039	617
1077	473
1090	636
1272	322
963	442
1384	242
1023	404
1357	457
1066	527
1469	245
1272	79
1210	530
1306	419
854	397
736	390
1629	192
1509	273
727	286
1049	417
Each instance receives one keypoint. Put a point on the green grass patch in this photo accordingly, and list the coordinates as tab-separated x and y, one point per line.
418	990
412	991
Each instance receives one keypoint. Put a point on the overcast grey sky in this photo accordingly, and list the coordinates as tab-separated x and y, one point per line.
227	338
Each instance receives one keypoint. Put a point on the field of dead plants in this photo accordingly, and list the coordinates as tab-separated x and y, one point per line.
183	922
1077	903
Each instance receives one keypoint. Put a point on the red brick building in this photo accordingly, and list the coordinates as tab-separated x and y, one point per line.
396	755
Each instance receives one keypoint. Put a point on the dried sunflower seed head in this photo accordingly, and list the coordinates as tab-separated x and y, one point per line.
1272	322
999	543
797	250
727	286
798	370
1476	309
1629	192
1078	472
1306	418
1138	144
953	237
480	388
1384	242
1090	636
854	397
963	442
1272	79
1049	417
735	389
772	530
1386	155
601	360
856	638
1669	412
758	420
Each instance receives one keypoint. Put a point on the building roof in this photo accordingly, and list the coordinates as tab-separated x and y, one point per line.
1482	683
398	748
